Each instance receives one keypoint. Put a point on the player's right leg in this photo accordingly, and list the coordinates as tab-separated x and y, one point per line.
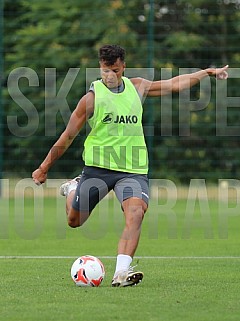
75	218
83	194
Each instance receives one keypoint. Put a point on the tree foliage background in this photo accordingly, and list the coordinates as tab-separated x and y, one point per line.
67	34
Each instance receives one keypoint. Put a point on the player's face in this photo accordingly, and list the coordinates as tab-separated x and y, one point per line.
112	75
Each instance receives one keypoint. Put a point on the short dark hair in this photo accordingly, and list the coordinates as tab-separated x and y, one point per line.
110	53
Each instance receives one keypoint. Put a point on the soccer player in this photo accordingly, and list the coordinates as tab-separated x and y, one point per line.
115	153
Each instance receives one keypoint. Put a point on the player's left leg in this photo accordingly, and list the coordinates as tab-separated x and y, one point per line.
134	210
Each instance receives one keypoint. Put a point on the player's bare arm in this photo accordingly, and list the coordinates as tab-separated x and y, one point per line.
77	120
178	83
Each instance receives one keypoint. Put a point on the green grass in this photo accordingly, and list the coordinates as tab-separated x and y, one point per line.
191	265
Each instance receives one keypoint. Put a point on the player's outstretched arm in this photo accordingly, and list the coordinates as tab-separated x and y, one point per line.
182	82
76	122
178	83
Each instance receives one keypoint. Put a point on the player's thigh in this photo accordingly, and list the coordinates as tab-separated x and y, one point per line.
88	194
135	188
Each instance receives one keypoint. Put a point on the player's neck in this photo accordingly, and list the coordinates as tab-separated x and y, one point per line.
118	89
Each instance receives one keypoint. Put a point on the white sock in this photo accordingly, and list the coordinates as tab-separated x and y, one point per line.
123	263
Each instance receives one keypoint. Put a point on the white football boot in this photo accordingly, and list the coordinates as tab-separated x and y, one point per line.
68	186
127	278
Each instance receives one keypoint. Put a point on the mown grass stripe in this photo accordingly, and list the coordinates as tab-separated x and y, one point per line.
136	257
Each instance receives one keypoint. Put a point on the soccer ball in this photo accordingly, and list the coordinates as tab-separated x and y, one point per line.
87	270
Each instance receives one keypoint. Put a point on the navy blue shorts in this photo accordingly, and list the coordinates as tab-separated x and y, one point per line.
96	183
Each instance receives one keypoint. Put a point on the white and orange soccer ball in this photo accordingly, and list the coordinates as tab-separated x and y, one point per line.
87	270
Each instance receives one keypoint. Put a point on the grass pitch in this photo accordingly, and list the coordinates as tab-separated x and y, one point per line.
190	259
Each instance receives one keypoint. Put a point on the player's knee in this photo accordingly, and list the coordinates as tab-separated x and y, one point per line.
138	211
73	218
77	219
134	217
73	223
